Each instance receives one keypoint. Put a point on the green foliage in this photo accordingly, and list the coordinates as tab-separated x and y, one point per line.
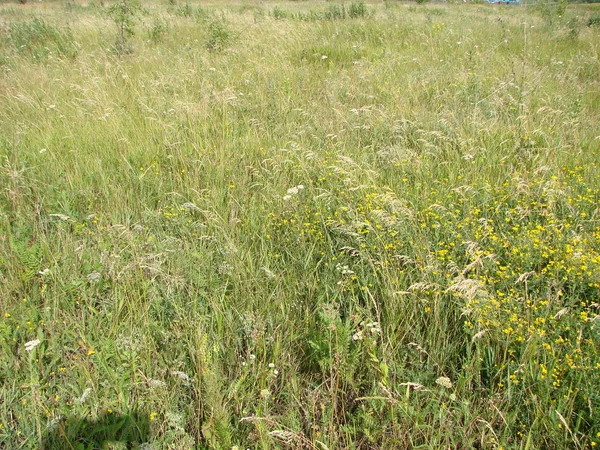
357	10
279	13
335	11
330	235
594	21
574	25
185	10
219	35
124	14
39	40
158	31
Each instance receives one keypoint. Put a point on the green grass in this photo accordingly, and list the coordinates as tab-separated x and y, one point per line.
300	224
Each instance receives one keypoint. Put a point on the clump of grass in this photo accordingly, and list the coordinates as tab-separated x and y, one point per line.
335	11
219	35
357	10
39	39
594	21
279	13
158	31
184	10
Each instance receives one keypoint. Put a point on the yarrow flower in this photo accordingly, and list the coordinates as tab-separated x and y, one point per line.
29	346
444	382
84	395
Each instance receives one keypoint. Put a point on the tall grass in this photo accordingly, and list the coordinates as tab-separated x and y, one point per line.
373	232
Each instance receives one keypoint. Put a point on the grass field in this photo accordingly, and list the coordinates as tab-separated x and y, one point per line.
299	225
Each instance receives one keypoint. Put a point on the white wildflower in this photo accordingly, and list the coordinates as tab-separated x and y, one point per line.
53	424
156	383
93	277
265	393
268	272
29	346
444	382
188	206
84	396
181	375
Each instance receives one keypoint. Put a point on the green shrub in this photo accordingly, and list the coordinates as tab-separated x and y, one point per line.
219	36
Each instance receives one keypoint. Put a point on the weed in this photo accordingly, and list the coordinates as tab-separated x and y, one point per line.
158	30
185	10
219	35
335	11
39	39
279	13
357	9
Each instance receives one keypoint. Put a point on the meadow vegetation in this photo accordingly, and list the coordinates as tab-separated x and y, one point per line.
306	225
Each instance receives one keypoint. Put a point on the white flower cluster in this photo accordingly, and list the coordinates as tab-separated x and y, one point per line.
344	270
293	191
371	328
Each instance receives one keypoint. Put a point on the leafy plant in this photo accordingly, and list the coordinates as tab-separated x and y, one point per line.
219	36
124	14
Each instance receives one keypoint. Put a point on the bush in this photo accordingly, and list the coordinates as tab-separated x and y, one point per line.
219	35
